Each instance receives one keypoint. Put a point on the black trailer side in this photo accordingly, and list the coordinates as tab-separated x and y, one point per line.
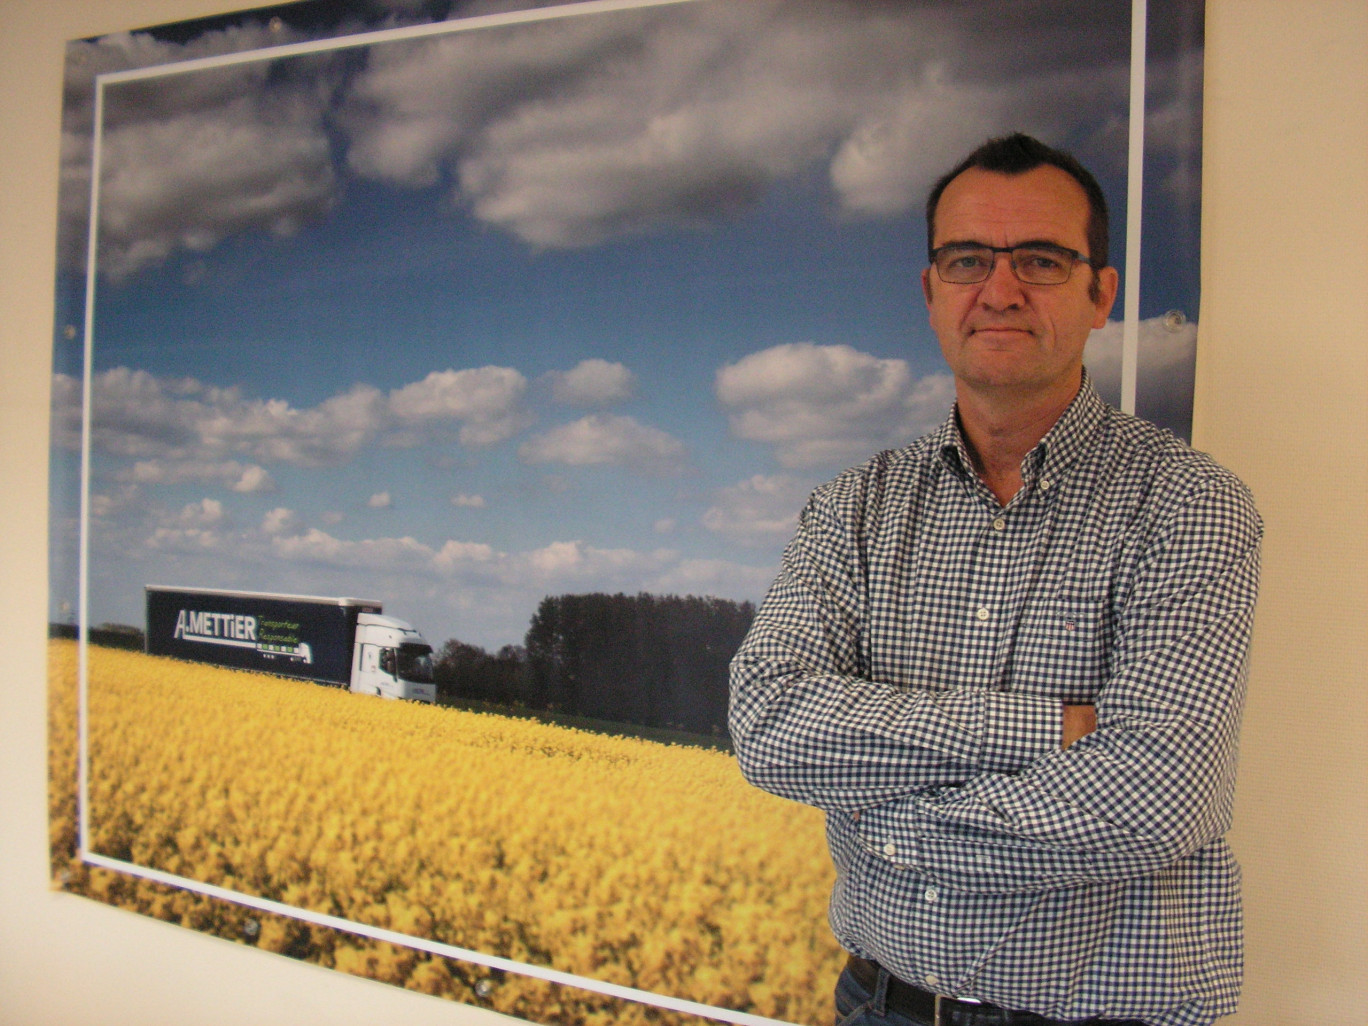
301	636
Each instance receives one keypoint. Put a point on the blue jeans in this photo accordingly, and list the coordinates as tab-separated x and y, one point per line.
858	1006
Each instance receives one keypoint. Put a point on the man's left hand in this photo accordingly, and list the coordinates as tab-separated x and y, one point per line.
1079	721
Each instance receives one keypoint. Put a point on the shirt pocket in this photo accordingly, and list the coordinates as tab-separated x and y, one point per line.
1063	649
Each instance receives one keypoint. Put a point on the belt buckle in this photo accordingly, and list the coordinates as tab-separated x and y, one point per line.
938	1017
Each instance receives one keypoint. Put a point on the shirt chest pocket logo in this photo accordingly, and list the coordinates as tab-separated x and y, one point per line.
1064	648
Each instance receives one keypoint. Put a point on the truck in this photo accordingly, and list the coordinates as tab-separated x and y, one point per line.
342	642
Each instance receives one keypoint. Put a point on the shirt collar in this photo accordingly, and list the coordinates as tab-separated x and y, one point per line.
1051	455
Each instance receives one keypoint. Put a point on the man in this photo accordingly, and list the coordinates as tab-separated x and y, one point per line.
1008	660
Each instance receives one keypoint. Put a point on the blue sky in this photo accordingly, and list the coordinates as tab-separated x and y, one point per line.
588	304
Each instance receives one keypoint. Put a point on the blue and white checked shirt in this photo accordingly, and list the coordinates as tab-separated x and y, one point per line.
906	674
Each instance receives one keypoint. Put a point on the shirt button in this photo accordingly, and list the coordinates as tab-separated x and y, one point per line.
931	894
890	849
1000	524
932	981
983	613
1045	483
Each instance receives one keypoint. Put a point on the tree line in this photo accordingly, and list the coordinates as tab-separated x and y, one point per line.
652	660
110	635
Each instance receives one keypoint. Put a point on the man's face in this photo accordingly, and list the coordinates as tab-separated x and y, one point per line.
1003	338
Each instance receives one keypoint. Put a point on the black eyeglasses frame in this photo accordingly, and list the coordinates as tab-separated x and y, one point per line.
1064	252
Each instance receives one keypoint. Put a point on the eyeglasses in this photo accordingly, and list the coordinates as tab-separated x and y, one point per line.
964	263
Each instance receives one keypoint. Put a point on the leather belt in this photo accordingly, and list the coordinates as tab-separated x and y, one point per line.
937	1010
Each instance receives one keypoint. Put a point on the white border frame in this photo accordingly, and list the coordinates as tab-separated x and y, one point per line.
1130	340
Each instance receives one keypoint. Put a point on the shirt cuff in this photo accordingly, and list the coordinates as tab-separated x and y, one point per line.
1018	729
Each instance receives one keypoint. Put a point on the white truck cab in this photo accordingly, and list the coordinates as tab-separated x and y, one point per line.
392	660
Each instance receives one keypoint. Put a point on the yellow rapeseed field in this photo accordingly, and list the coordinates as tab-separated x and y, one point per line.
649	865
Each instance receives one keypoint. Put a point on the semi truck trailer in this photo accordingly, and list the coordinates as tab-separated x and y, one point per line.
343	642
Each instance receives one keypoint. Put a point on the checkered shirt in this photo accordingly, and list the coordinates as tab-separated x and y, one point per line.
906	673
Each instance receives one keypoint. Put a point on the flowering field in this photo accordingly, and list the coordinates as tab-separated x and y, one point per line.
653	866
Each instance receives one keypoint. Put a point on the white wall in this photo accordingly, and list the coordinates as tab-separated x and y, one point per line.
1282	397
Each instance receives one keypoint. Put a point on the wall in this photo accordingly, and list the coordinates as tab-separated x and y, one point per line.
1282	397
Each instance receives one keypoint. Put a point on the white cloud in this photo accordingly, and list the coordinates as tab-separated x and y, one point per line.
187	180
254	479
110	504
189	159
449	588
380	500
760	509
196	527
205	513
566	565
464	501
280	521
387	554
934	115
135	414
1170	127
244	478
324	435
173	430
719	577
455	555
1165	361
186	539
570	132
827	404
558	557
66	411
485	400
560	565
179	429
593	383
603	439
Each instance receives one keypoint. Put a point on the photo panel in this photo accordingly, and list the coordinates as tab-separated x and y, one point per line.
480	355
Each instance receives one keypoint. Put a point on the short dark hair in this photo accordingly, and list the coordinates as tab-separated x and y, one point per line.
1014	155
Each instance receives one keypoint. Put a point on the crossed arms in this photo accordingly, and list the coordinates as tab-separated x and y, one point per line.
1004	790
